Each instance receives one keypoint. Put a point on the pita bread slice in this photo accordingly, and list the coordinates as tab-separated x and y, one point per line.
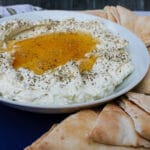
142	100
127	17
110	16
62	136
140	118
142	28
115	14
72	134
115	127
144	86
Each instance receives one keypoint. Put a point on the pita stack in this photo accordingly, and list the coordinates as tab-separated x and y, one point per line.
124	125
113	128
75	133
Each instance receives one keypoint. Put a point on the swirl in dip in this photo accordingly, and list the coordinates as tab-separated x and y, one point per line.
60	62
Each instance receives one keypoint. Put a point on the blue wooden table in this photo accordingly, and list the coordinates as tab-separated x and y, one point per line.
19	128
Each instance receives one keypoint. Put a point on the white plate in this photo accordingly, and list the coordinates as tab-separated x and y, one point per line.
136	49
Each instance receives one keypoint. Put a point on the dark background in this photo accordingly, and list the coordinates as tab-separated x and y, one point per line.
82	4
19	128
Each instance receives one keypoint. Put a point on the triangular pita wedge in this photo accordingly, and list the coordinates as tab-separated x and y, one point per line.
110	16
127	17
140	118
142	28
72	134
141	100
144	86
115	14
115	127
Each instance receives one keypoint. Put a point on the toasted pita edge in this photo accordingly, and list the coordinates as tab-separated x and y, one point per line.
42	137
139	117
141	100
127	17
112	118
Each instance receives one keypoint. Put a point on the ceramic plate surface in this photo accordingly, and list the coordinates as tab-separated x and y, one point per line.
136	49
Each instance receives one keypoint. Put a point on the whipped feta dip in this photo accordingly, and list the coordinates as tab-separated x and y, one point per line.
65	84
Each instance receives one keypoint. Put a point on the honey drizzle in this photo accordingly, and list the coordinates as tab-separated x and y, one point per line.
49	51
